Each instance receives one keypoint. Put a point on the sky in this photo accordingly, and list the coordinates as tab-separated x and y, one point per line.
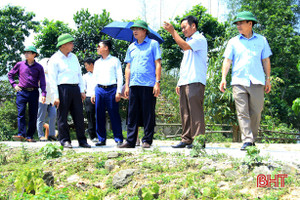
152	11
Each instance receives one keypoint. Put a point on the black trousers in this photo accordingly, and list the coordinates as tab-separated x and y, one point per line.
70	100
141	103
91	117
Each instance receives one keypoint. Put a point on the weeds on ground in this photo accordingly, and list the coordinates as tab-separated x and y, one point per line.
252	157
198	149
50	151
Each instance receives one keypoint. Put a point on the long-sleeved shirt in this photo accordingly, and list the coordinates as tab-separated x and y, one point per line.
64	70
89	86
29	76
108	71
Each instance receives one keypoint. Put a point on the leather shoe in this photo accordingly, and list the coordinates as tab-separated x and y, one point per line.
18	138
180	145
103	143
67	145
125	145
245	145
30	140
85	145
146	145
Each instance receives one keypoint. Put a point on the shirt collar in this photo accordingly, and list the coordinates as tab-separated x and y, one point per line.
30	65
107	58
63	55
254	35
145	40
189	38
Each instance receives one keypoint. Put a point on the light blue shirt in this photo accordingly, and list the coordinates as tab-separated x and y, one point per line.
247	55
193	66
142	59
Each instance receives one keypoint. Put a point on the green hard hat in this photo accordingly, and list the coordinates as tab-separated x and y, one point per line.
245	16
32	49
140	24
63	39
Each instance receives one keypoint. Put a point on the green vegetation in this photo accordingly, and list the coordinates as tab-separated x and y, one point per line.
159	176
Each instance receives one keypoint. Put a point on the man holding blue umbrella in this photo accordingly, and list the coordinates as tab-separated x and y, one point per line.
142	86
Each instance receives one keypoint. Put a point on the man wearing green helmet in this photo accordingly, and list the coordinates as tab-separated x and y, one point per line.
31	77
248	53
142	85
67	86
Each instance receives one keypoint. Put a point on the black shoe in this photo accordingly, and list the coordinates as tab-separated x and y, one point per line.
103	143
180	145
67	145
52	138
85	145
126	145
119	143
245	145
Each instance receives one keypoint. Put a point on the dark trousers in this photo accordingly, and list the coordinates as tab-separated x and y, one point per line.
32	98
141	102
105	100
70	100
191	111
91	117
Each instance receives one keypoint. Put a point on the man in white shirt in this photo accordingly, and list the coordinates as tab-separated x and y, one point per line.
67	86
192	80
46	109
108	80
89	92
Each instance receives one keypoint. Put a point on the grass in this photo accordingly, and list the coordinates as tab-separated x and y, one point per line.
166	176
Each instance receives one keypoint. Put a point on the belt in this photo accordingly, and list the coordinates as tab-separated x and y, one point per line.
107	86
29	89
69	85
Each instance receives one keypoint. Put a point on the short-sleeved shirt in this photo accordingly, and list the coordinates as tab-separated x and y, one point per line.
193	66
142	59
247	55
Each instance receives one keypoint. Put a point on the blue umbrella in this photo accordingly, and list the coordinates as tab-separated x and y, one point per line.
122	31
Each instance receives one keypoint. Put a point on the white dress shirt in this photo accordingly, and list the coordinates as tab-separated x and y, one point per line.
64	70
108	71
88	83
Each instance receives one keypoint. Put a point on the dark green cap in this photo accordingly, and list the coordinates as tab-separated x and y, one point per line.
245	16
63	39
32	49
140	24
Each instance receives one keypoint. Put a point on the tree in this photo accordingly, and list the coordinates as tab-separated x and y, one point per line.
279	23
15	25
46	39
88	33
211	28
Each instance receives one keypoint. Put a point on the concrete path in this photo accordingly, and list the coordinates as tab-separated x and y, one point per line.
288	153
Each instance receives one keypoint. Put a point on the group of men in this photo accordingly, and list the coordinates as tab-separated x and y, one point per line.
248	53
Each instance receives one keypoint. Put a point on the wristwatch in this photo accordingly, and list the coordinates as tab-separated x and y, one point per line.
157	81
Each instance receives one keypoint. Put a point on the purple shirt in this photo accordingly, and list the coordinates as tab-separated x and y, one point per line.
29	76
